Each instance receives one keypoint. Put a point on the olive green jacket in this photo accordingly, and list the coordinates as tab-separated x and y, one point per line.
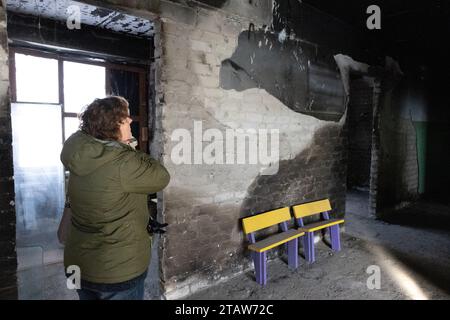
108	186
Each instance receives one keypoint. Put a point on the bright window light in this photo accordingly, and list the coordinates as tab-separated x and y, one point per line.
33	124
36	78
70	126
82	84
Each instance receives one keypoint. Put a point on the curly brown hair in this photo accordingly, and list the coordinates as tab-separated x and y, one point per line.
101	119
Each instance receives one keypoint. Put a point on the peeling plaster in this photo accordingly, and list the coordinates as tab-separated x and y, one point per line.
282	36
287	70
287	120
215	192
346	66
297	133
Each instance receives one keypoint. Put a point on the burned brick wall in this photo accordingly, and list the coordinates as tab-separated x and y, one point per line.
216	72
217	69
330	34
360	124
8	258
398	173
289	70
318	172
212	70
205	202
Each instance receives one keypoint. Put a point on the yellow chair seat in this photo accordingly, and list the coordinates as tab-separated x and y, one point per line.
320	225
275	240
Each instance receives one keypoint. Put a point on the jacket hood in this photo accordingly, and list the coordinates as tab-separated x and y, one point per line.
82	154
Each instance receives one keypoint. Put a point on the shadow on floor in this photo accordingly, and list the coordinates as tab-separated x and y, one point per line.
423	215
357	202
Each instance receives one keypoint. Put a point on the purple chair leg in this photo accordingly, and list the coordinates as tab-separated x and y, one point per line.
312	256
256	262
309	246
293	253
306	247
263	258
335	238
259	259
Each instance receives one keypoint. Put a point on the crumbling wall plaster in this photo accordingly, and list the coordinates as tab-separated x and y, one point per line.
204	203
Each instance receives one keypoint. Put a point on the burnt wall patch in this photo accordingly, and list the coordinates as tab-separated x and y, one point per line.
287	69
317	172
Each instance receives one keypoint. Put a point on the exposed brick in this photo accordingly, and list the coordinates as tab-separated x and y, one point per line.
7	248
204	204
6	186
8	259
178	13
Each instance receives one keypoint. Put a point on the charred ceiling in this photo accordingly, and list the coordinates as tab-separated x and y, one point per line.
47	34
90	15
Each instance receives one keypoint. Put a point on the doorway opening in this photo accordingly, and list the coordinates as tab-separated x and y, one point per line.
54	73
361	165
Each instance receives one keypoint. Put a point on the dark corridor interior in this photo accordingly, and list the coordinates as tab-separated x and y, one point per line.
413	35
359	133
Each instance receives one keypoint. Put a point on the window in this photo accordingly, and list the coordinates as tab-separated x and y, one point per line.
73	83
43	115
36	79
82	84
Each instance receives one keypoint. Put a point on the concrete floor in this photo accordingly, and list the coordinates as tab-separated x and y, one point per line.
413	261
48	282
413	258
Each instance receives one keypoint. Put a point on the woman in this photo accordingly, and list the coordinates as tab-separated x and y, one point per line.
108	186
